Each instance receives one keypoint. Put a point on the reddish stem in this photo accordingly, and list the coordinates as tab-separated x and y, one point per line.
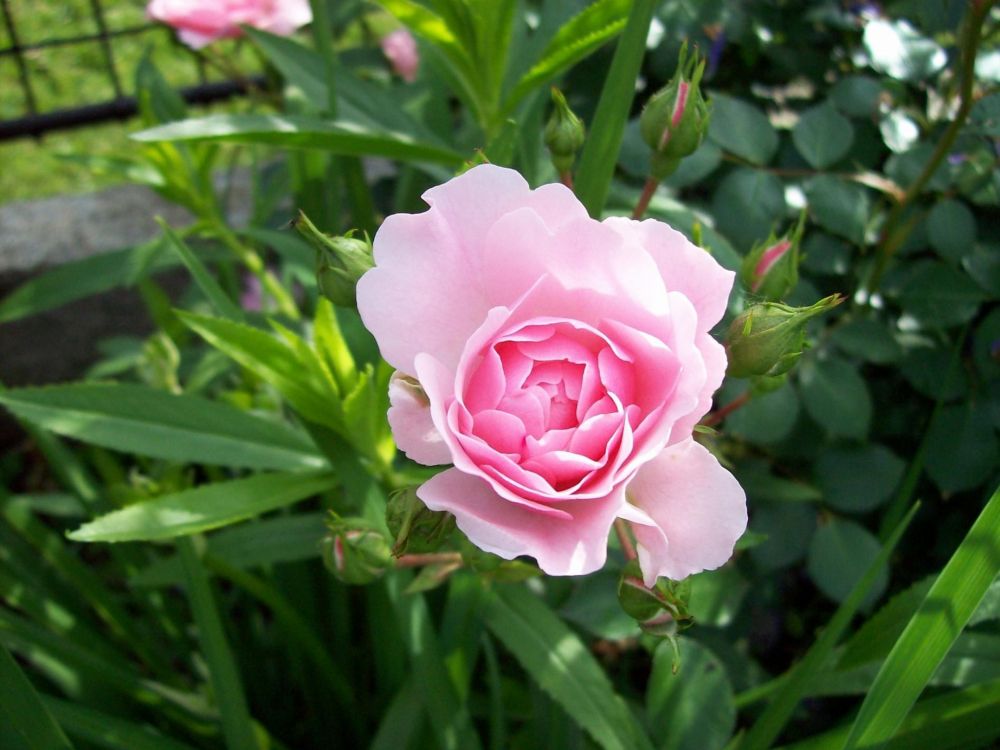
566	178
625	539
429	558
721	413
647	195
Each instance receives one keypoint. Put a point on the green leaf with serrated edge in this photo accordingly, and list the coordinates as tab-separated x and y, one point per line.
150	422
293	131
581	35
268	541
823	136
600	151
931	631
742	129
955	721
22	710
203	508
795	685
104	730
562	665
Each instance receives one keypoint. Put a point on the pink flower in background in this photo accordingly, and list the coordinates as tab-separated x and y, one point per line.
561	364
199	22
400	48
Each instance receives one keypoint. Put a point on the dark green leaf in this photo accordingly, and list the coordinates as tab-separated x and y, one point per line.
747	205
22	710
840	553
840	207
867	339
860	479
742	129
789	529
857	96
823	136
767	418
938	295
962	448
836	396
951	229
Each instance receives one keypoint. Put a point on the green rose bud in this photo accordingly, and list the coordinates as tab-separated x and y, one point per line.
675	119
564	133
415	528
771	268
340	261
768	338
355	551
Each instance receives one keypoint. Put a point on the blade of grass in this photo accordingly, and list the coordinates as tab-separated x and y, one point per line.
600	152
103	730
22	708
223	675
767	728
208	285
931	631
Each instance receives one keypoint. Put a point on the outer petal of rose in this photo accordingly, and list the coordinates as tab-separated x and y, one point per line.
690	513
684	267
412	426
574	544
714	356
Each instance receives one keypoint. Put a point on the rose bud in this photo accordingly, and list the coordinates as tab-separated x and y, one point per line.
564	133
771	268
768	338
400	48
340	261
675	119
415	528
355	551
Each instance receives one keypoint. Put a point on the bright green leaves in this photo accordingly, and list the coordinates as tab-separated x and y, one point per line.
742	129
823	136
562	665
204	508
149	422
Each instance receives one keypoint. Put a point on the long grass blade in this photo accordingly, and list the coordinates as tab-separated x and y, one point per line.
22	708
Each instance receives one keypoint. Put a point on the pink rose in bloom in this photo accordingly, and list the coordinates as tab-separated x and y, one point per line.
400	48
199	22
560	363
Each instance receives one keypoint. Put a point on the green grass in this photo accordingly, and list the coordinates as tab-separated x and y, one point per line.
73	75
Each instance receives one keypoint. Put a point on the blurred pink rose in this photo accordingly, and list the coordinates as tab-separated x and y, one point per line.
199	22
560	363
401	49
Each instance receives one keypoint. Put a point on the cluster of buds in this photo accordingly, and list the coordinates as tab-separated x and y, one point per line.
767	339
771	269
340	261
564	134
675	119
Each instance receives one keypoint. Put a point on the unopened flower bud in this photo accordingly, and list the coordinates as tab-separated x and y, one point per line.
340	261
771	269
355	551
768	338
415	528
564	133
675	119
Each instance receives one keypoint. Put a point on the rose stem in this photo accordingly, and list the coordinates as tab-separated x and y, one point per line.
430	558
625	539
647	195
721	413
566	178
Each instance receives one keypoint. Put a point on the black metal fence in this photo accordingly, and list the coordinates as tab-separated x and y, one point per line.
35	119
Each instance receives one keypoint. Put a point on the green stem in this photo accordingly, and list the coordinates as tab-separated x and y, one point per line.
253	262
896	231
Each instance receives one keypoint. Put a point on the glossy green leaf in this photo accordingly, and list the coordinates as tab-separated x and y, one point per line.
150	422
607	127
858	479
742	129
931	632
836	396
693	709
840	553
840	207
207	507
22	710
823	136
291	131
562	665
